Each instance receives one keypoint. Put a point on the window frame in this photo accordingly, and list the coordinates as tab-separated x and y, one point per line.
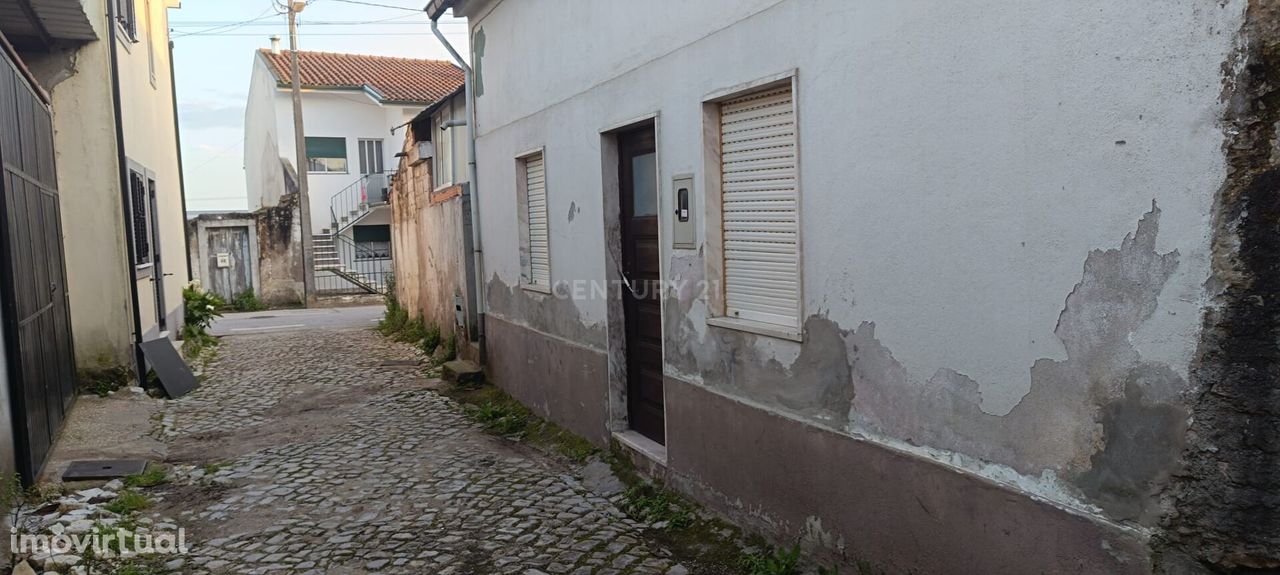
346	155
127	20
141	267
151	45
369	152
714	209
522	210
443	149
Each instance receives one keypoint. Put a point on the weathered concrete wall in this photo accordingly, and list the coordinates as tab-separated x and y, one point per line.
1007	224
428	242
1226	500
280	263
278	268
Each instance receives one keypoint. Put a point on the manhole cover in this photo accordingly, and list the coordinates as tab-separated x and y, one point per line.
103	469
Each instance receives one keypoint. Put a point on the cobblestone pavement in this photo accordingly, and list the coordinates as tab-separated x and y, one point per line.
303	453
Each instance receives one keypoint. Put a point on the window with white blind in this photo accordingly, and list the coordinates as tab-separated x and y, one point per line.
760	208
535	252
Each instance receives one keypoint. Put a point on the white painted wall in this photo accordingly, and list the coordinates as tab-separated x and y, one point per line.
958	160
264	174
350	115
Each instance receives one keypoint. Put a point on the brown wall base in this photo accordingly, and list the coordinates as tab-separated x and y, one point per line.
559	381
854	503
895	511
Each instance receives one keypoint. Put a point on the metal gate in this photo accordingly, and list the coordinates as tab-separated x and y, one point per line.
37	325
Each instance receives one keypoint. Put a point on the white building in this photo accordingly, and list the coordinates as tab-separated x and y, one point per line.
351	104
926	285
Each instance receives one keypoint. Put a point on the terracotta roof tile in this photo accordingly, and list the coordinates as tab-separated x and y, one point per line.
396	79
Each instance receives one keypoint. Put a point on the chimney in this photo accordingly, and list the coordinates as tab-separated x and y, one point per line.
275	44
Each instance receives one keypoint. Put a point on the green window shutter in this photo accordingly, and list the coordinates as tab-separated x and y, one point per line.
327	148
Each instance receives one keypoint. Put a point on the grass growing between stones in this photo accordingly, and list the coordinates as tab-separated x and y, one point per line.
153	475
129	501
503	415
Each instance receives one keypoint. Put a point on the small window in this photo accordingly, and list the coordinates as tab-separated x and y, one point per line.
141	224
535	248
442	161
759	210
127	19
327	155
370	157
372	242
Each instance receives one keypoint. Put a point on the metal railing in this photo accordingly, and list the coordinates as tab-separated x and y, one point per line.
349	267
353	202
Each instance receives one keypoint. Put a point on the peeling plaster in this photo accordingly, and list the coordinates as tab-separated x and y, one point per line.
554	314
1103	419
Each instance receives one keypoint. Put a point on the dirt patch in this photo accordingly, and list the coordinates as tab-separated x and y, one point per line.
313	412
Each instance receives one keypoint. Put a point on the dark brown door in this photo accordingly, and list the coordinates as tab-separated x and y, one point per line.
638	172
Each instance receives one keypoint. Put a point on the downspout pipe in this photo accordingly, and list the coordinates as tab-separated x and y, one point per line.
139	362
477	246
182	178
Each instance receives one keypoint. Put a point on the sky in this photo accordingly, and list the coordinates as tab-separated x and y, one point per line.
214	45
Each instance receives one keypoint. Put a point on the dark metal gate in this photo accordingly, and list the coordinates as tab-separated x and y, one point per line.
37	322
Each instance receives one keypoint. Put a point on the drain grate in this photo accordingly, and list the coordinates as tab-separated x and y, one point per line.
103	469
399	363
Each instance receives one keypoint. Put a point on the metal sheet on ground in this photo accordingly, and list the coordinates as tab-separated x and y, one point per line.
174	374
103	469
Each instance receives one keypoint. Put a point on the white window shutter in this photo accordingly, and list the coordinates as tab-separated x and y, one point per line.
536	203
760	209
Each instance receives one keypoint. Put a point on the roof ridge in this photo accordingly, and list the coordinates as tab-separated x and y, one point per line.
353	54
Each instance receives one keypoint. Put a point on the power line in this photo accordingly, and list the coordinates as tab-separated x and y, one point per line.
227	27
314	34
376	5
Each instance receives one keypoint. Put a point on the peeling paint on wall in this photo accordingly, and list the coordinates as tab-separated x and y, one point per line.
1103	419
553	314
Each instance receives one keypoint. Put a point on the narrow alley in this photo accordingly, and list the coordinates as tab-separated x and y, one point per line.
320	451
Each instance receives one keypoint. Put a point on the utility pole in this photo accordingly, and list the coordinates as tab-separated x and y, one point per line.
300	142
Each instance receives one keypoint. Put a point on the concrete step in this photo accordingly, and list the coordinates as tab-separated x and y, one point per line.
462	373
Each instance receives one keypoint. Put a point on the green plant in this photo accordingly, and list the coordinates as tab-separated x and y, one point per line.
413	331
106	377
771	561
128	501
502	416
431	338
393	319
246	301
656	505
451	347
154	475
212	468
201	308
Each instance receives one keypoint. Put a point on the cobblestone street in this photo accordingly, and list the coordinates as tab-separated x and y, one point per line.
306	453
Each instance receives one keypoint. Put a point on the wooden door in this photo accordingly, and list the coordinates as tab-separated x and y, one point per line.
642	304
230	271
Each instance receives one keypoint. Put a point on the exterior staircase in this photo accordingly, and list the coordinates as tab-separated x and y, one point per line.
328	251
338	254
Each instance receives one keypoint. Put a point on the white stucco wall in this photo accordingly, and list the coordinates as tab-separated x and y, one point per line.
150	139
958	161
264	177
352	115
